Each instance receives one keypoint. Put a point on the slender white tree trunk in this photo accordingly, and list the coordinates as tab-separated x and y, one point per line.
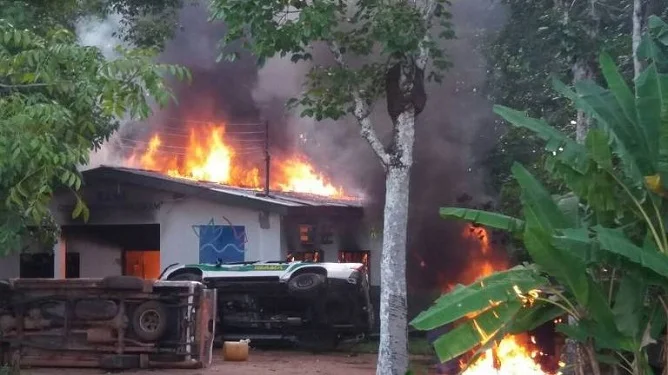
635	37
393	348
581	71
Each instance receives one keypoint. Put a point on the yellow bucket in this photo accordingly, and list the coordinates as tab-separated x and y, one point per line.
235	351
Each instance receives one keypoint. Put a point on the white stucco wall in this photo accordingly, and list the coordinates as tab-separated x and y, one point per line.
96	258
179	242
176	215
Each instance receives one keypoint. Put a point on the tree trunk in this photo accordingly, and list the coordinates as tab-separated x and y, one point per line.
581	71
635	37
393	348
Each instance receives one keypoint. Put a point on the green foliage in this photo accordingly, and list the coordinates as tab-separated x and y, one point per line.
364	32
612	219
143	23
58	101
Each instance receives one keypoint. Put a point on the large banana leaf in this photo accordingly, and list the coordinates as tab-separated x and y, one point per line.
652	44
490	325
482	295
567	150
569	205
604	338
540	313
615	242
620	90
490	219
542	221
630	305
537	200
570	161
577	242
618	134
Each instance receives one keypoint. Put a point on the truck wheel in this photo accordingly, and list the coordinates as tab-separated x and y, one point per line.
149	321
306	284
123	283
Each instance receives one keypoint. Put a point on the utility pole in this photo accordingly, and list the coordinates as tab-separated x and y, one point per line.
267	158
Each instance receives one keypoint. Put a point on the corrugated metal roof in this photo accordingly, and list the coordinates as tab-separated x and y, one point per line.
287	199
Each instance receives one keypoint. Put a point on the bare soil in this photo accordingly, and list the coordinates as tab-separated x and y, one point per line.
267	362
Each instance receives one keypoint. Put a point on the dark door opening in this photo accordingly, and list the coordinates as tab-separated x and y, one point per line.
111	250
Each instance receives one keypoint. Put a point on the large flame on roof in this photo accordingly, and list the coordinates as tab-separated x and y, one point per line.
209	156
513	355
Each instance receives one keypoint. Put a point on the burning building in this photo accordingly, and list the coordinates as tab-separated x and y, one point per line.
143	220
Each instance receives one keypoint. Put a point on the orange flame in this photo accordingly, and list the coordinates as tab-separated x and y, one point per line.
514	354
208	156
509	357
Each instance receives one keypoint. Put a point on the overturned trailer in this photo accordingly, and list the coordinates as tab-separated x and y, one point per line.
117	322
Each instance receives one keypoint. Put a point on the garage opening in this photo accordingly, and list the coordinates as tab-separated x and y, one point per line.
109	250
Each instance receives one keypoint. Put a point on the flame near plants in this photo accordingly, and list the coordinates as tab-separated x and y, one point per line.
209	156
514	355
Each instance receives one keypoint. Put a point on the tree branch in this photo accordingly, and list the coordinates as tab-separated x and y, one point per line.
362	112
428	10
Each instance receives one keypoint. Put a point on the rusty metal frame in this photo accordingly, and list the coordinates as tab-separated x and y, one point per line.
63	345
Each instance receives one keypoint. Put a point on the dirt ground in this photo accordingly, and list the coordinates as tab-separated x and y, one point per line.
266	362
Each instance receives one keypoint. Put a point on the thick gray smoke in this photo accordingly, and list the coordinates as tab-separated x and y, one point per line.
455	129
99	32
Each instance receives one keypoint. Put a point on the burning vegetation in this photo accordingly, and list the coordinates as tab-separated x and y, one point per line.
515	354
209	154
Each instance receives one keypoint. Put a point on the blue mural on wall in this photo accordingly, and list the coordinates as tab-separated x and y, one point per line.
221	242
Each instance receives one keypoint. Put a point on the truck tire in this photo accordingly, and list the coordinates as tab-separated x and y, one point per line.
123	283
306	284
149	321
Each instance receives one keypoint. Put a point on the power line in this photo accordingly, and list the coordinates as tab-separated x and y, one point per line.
234	139
247	152
225	124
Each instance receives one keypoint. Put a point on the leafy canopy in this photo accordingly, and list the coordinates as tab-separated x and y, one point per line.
58	101
362	37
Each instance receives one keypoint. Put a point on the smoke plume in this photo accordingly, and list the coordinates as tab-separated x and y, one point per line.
99	32
452	133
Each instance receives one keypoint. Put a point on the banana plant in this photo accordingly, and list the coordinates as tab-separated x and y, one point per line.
600	253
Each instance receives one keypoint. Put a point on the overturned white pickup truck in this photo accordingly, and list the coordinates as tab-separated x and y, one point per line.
313	304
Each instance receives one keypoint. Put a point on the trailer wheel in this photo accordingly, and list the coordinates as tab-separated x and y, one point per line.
123	283
149	321
306	284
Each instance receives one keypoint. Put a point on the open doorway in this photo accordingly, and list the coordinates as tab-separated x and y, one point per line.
111	250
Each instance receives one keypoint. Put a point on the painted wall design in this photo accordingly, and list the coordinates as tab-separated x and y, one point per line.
221	242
